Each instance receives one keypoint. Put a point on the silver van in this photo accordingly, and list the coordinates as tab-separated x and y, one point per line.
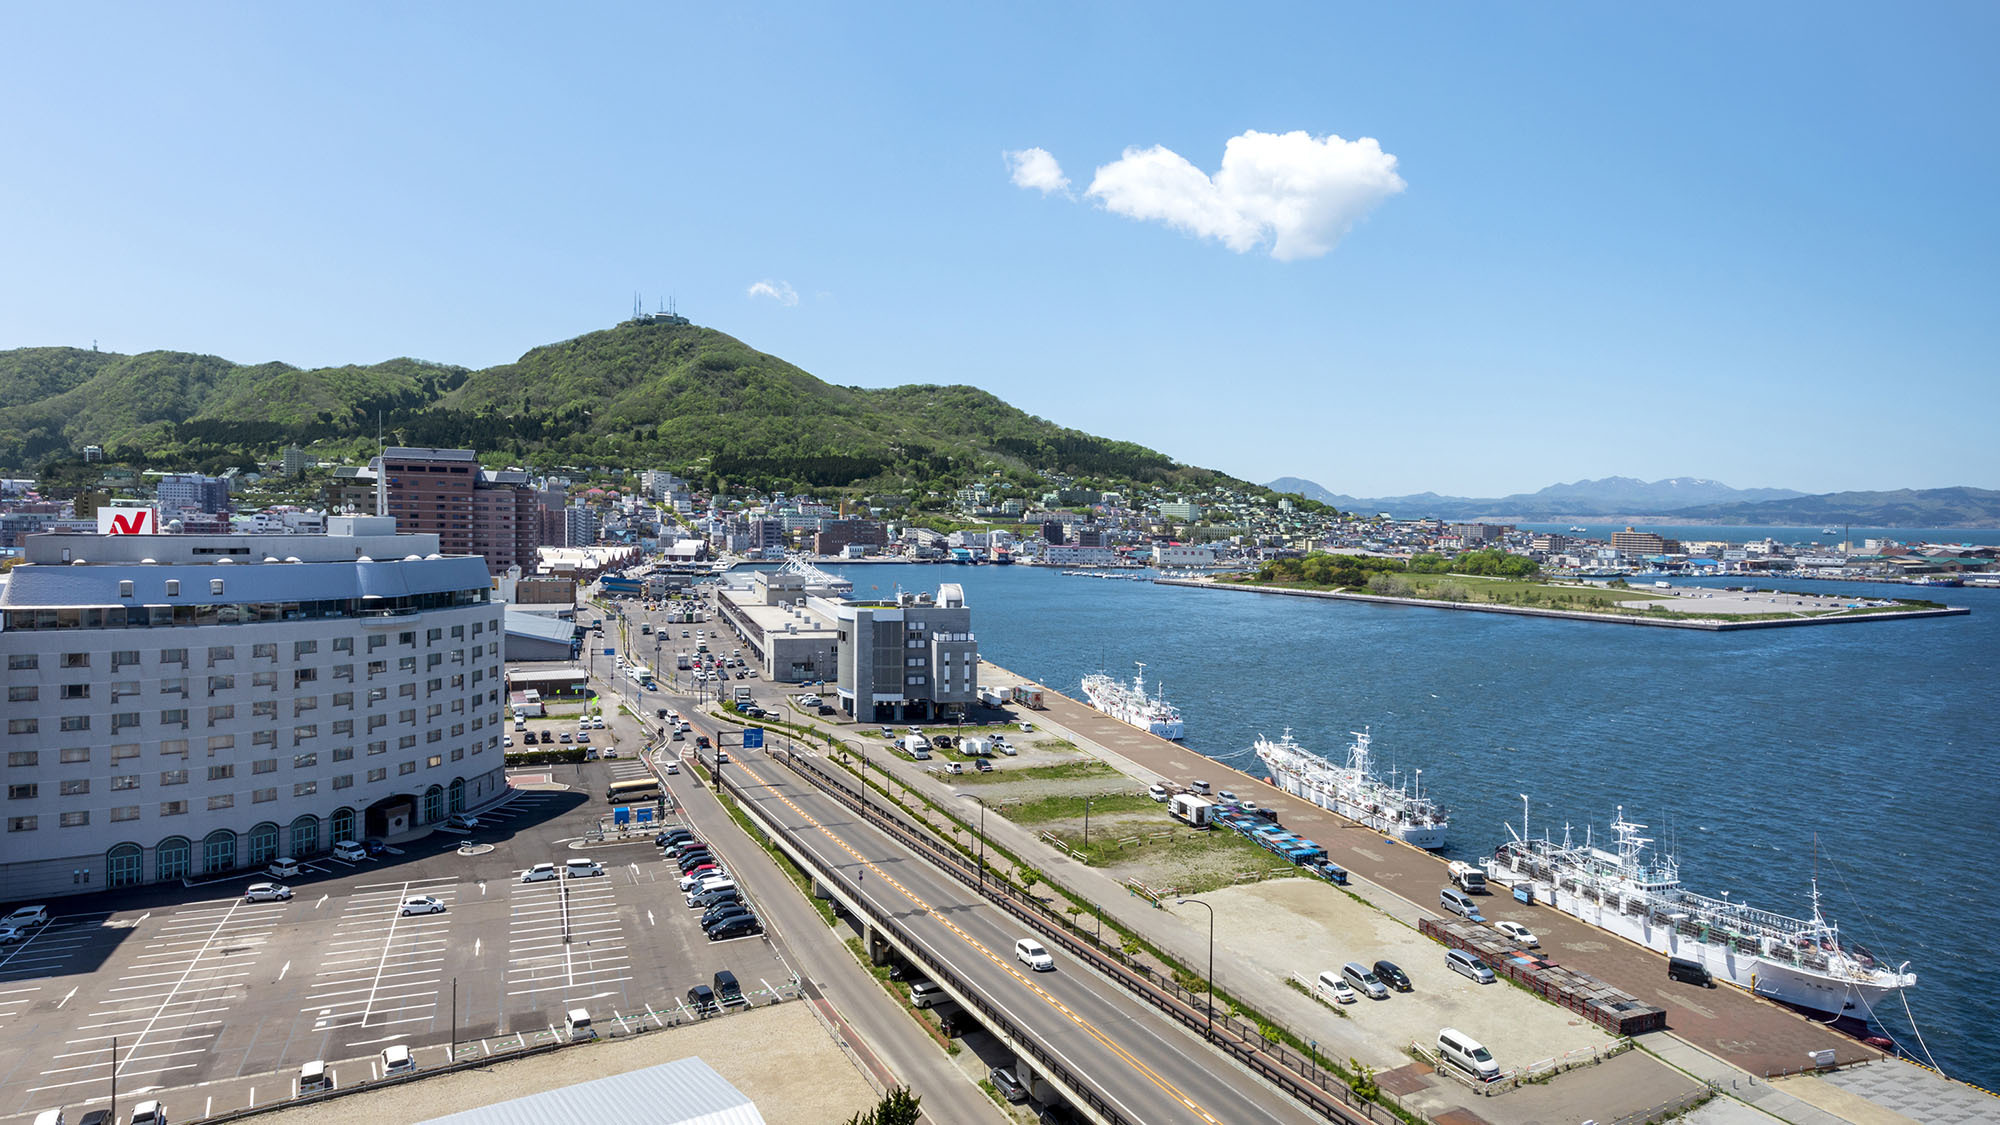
925	993
1364	982
1468	966
711	892
1459	903
1464	1052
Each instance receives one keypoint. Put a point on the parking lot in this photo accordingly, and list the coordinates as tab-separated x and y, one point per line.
175	986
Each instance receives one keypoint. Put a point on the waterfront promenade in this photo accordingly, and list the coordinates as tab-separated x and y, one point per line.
1744	1044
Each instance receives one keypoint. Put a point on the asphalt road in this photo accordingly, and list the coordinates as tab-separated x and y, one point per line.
1149	1068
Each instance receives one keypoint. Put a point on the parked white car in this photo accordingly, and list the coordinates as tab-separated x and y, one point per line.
1521	934
266	892
423	904
540	872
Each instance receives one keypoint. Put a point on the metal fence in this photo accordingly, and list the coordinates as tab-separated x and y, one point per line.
1290	1070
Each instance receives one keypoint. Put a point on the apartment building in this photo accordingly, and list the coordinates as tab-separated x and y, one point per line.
444	492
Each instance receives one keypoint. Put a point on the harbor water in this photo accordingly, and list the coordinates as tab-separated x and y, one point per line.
1862	754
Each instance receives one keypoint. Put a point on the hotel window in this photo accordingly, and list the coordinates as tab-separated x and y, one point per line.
305	788
301	706
343	644
77	819
219	714
344	781
123	781
218	653
173	587
343	753
27	791
215	587
304	761
173	777
301	733
301	648
343	726
76	660
406	691
174	656
122	658
222	801
375	748
75	787
264	738
264	765
23	757
23	661
376	641
76	691
82	722
264	652
458	754
23	726
409	639
344	699
344	672
173	808
177	716
124	587
20	824
406	768
259	796
375	775
407	742
20	694
406	664
124	751
221	773
304	676
377	667
178	747
176	686
221	683
264	709
124	812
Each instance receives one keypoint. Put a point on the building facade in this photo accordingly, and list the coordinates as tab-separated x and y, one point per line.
912	658
182	706
192	492
443	492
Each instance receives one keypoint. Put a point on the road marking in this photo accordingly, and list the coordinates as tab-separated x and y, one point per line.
321	902
1004	964
65	999
283	971
475	946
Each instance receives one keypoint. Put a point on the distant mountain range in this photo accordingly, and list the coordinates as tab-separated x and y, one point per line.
1684	500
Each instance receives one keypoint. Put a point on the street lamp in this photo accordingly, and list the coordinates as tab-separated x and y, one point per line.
1086	820
1210	1034
982	837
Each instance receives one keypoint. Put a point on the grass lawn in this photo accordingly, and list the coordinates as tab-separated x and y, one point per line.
1070	808
1087	767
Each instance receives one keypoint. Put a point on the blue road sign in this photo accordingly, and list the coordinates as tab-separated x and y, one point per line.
621	814
611	652
645	815
753	738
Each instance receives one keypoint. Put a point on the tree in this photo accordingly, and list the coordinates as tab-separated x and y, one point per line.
897	1107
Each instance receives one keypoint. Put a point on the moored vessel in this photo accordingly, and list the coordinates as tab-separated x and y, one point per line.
1638	895
1129	703
1353	790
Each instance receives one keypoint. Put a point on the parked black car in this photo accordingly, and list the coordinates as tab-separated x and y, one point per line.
1390	974
702	999
736	928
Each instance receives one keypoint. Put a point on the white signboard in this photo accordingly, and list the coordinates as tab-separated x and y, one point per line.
128	521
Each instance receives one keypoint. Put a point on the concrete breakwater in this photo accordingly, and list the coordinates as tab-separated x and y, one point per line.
1713	625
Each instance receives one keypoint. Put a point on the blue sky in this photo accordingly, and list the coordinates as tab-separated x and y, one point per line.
1752	243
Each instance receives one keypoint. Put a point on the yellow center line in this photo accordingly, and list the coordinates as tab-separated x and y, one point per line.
1005	965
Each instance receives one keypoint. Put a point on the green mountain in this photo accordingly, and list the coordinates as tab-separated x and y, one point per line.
641	394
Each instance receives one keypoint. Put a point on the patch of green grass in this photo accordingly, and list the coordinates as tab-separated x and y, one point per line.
1066	807
1064	771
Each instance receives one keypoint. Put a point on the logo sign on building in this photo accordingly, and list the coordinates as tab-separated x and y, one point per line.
127	521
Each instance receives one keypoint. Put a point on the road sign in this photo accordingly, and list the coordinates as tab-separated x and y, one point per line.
753	738
621	814
645	814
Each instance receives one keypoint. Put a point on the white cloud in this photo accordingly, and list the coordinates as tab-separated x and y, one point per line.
1035	168
1299	193
779	291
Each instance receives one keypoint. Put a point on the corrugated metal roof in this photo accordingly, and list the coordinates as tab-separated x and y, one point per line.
684	1092
534	625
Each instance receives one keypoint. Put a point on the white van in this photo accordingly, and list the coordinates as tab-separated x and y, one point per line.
49	1117
924	993
313	1078
1031	953
1460	903
576	1026
283	867
582	869
1464	1052
1333	988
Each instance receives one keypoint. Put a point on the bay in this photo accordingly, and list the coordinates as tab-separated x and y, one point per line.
1862	754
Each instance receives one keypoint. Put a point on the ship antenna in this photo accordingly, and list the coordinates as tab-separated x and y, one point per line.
1524	818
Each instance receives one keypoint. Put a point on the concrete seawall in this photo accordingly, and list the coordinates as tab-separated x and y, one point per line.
1711	625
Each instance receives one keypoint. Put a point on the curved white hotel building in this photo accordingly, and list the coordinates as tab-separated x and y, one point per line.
182	706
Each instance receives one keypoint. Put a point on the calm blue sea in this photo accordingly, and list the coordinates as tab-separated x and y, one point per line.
1862	753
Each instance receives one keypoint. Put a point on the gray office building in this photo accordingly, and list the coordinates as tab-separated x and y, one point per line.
914	657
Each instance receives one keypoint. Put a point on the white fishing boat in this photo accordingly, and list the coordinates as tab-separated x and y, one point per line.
1353	790
1638	895
1129	703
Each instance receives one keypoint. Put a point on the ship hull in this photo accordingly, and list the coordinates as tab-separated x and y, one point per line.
1747	968
1429	837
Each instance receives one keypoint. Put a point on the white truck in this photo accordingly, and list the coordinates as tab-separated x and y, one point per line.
976	746
1190	810
1468	878
742	696
916	746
